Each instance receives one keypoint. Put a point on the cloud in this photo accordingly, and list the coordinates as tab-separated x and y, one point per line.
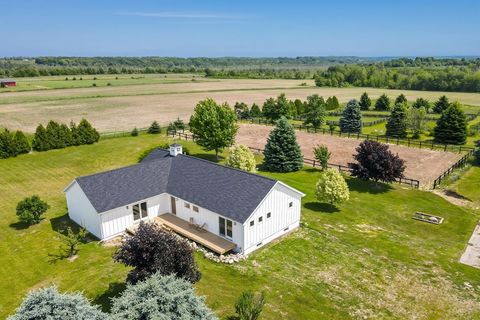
183	15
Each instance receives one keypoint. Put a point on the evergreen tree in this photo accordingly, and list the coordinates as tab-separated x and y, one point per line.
274	109
299	106
76	140
397	121
351	120
154	128
86	133
255	111
421	103
332	103
53	137
282	152
65	135
269	110
40	141
383	103
451	128
21	143
441	105
283	106
7	146
241	110
315	111
365	102
179	124
134	132
401	99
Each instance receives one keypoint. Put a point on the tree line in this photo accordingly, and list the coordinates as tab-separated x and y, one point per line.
53	136
464	78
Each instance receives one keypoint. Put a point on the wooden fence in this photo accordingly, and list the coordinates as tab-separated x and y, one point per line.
458	164
386	139
311	162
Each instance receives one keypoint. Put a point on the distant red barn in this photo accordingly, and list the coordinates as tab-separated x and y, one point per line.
7	83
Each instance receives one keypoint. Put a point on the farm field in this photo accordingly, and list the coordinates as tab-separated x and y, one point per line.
366	259
122	107
421	164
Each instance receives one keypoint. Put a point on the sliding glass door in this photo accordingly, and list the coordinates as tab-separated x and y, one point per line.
225	228
139	211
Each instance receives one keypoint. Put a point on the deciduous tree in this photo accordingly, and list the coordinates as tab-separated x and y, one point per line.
31	209
331	188
416	120
322	155
213	125
315	111
241	157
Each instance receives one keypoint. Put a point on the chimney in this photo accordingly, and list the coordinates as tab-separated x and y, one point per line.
175	149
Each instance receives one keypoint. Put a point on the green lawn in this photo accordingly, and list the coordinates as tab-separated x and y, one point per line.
469	184
367	258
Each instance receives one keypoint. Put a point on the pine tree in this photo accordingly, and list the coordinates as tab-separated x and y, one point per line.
421	103
255	111
397	121
40	141
441	105
76	141
65	135
21	143
401	99
282	152
154	128
87	134
7	146
365	102
53	137
134	132
332	103
383	103
351	120
451	128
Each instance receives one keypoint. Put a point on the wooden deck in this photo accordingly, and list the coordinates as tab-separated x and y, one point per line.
203	237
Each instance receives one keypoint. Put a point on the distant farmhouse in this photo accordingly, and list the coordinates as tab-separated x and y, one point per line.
4	83
221	208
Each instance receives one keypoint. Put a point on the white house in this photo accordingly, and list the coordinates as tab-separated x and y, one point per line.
220	207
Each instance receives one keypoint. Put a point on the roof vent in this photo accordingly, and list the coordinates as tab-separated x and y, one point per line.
175	149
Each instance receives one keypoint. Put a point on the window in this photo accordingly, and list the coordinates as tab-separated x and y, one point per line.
269	215
139	211
187	205
252	223
195	208
290	204
225	227
260	219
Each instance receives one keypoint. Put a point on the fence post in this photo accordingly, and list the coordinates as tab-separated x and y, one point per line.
420	144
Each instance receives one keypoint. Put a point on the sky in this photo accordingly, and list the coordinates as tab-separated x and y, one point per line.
239	28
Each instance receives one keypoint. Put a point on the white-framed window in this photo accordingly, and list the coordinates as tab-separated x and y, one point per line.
252	223
186	205
195	208
269	215
225	228
139	211
290	204
260	219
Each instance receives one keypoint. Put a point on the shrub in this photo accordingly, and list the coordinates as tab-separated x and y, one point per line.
331	188
351	120
376	162
452	126
213	125
153	250
109	84
322	155
154	128
94	84
397	121
365	102
48	303
134	132
383	103
160	297
249	306
241	157
282	152
31	209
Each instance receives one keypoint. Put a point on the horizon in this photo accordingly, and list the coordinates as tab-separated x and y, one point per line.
248	29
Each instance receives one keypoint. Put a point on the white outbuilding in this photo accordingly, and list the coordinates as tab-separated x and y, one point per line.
219	207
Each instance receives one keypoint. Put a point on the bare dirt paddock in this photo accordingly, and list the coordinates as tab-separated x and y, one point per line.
422	164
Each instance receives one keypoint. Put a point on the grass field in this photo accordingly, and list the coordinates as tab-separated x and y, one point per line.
366	259
136	102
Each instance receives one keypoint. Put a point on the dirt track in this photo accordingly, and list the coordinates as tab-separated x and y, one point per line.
422	164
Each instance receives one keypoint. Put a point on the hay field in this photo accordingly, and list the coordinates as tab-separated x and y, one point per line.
121	107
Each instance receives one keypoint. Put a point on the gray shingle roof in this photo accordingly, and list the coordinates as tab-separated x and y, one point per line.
230	192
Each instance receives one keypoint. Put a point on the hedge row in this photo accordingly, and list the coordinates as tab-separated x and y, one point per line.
13	144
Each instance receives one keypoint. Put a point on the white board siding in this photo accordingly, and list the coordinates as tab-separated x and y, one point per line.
211	219
282	217
115	221
81	210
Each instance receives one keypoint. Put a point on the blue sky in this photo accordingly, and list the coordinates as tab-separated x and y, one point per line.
239	28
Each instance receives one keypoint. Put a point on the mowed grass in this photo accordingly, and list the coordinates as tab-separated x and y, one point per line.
469	184
365	259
